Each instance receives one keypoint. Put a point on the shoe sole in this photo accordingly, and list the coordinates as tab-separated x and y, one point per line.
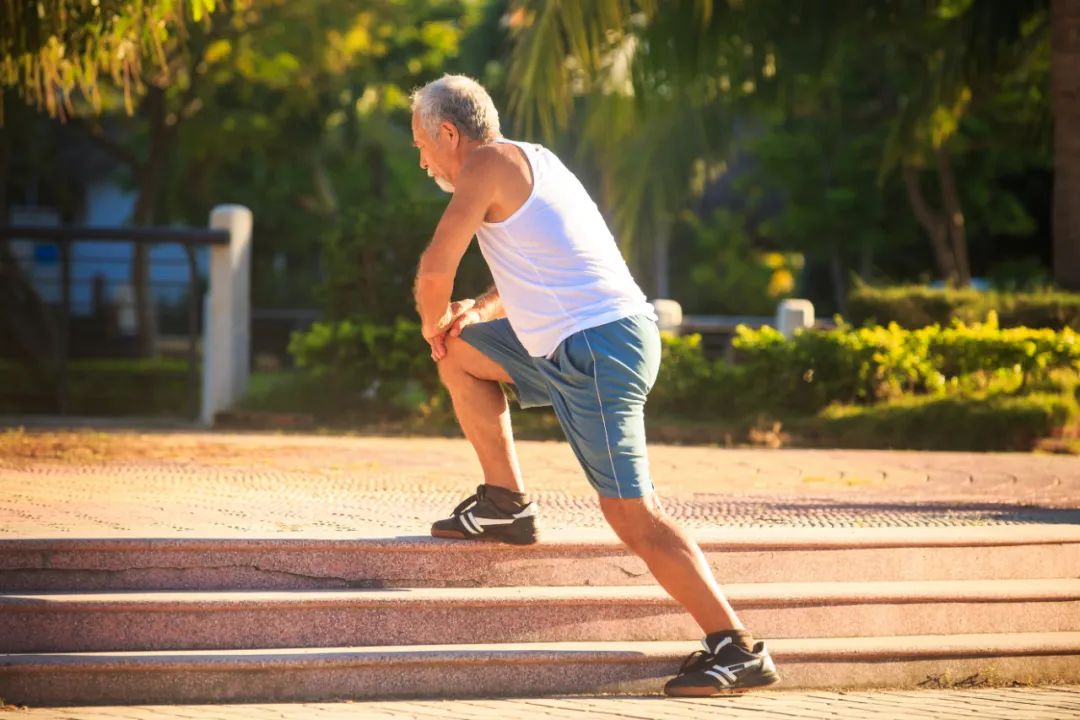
455	535
710	691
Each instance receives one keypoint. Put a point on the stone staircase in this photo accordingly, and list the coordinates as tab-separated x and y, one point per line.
134	621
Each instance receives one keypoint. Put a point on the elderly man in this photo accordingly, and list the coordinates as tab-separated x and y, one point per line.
565	325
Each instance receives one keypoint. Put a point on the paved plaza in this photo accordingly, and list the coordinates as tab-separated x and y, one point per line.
194	484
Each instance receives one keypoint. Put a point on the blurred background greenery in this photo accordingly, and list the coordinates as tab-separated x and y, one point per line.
892	161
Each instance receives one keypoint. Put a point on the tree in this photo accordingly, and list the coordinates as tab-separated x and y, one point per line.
936	62
54	54
298	110
52	48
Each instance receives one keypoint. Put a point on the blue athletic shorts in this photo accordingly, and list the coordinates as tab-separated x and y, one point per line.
597	382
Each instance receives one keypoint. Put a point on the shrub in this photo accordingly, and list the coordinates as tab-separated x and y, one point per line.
362	364
876	364
991	423
107	387
370	258
917	306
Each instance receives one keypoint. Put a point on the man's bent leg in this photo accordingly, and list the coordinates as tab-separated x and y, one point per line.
673	558
482	411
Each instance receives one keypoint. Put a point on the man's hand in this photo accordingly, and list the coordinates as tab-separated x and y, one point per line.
451	322
469	314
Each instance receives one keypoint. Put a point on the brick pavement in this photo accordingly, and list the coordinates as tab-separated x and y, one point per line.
176	484
1035	703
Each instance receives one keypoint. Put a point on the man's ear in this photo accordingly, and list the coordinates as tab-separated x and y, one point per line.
452	134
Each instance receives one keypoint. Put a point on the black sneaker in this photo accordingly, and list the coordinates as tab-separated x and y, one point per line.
478	518
722	669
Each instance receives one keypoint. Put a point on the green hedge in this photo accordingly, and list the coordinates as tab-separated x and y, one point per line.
992	423
876	364
916	306
961	387
358	367
107	387
964	386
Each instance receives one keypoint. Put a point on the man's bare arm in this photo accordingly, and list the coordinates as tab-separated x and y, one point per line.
489	305
439	263
468	312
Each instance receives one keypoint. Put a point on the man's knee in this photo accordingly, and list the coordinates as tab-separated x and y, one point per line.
634	520
451	367
463	361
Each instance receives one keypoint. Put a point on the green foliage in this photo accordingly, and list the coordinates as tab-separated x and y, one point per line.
723	272
690	385
305	119
959	387
361	365
877	364
828	99
996	423
109	387
917	306
370	257
51	48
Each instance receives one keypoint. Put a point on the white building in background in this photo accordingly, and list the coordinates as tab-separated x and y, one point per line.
106	204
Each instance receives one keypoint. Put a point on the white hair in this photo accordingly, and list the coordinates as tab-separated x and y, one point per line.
460	100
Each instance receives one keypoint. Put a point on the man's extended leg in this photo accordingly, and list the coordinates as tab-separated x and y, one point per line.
731	661
482	411
673	558
602	376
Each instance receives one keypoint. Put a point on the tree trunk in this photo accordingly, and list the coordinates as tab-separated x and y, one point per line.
934	226
954	217
1065	93
836	274
148	177
661	251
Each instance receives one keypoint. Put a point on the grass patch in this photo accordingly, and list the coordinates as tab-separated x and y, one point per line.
993	423
110	387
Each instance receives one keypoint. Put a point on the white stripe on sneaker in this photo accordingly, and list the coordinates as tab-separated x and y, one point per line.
484	522
714	650
723	680
469	524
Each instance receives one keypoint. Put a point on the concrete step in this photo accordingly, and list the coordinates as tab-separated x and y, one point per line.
317	618
753	555
445	671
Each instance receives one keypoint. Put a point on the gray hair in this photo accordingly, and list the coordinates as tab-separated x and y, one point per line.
459	100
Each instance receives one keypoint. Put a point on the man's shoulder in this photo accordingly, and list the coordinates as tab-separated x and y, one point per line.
497	154
501	161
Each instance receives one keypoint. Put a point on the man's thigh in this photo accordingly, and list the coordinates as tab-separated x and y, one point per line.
496	341
475	362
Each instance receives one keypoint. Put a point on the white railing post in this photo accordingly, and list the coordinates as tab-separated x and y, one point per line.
668	313
227	313
793	314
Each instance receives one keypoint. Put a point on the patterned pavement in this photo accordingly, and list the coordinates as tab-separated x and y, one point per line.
123	484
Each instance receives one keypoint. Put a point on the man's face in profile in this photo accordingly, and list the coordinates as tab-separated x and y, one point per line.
432	154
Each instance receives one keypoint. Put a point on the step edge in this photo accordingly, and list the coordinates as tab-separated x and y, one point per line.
893	648
740	539
756	595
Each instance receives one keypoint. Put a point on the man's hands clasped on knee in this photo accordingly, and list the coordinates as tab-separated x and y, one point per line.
458	315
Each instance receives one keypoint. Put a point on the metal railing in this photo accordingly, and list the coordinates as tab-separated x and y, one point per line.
65	236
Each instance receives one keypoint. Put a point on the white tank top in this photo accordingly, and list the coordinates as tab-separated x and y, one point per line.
555	262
